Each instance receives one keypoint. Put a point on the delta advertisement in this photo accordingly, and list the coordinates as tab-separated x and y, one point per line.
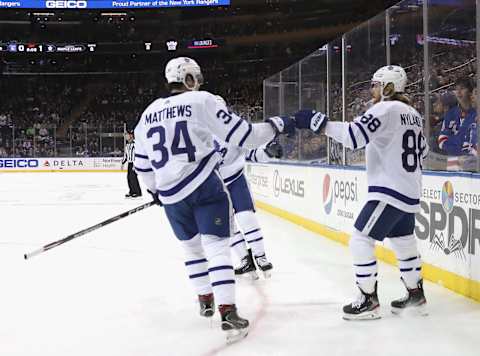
60	164
447	227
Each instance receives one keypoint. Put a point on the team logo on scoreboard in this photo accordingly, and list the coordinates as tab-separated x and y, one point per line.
171	45
327	194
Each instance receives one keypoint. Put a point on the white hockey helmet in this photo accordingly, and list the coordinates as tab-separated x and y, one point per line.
178	69
394	75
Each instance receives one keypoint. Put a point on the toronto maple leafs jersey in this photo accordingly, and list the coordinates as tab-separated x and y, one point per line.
175	152
395	147
234	158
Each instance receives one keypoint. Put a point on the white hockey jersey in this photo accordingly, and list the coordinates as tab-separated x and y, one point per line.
234	158
175	151
395	148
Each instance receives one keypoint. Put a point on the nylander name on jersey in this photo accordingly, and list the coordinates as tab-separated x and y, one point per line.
409	120
168	113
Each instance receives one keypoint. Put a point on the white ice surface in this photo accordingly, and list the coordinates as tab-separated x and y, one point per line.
123	291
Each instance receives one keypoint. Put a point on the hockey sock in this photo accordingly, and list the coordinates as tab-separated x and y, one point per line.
220	269
248	223
409	261
364	261
197	265
237	243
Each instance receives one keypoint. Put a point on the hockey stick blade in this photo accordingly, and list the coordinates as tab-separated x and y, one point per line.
86	231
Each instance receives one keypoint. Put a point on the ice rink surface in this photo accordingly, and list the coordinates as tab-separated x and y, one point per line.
122	290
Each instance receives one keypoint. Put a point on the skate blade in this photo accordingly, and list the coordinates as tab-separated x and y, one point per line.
420	310
371	315
236	335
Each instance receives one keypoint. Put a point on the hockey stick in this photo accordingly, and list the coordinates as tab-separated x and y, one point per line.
87	230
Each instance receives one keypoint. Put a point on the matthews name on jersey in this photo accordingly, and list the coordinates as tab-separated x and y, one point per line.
395	147
174	141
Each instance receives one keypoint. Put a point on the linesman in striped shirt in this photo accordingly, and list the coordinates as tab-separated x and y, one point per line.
129	157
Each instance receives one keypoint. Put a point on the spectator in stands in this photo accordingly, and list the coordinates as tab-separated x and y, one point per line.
442	103
458	136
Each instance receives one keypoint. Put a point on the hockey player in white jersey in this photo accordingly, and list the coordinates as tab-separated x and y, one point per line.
247	228
176	159
392	131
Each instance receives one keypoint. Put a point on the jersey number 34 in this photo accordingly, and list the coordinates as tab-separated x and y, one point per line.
181	131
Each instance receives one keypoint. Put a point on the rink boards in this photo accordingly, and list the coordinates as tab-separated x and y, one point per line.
327	200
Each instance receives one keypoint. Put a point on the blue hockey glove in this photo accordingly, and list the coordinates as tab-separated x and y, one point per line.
282	125
155	197
274	150
310	119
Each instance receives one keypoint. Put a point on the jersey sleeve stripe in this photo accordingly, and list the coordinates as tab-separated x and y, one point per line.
394	194
242	141
137	155
143	169
362	130
189	178
352	136
233	177
232	131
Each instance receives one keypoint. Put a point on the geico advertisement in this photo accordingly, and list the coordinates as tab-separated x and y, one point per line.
19	163
59	164
448	225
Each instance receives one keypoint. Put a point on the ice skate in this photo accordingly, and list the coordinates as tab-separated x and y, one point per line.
366	307
207	305
413	301
247	267
235	326
264	265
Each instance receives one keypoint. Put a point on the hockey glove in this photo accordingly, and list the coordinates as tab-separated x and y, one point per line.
282	125
274	150
155	197
310	119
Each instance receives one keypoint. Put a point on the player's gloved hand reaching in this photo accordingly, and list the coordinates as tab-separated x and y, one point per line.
310	119
274	150
155	197
469	149
282	125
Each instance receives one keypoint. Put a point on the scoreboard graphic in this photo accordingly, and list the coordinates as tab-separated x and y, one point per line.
107	4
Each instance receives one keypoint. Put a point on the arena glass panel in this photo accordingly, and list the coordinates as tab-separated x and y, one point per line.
271	96
289	104
451	54
335	92
313	95
365	52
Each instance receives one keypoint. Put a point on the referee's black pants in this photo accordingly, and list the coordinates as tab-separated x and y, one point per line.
132	179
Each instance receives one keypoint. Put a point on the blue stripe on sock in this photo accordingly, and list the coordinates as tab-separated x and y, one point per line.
409	259
251	232
236	243
218	268
194	262
198	275
219	283
406	269
363	275
367	264
251	241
